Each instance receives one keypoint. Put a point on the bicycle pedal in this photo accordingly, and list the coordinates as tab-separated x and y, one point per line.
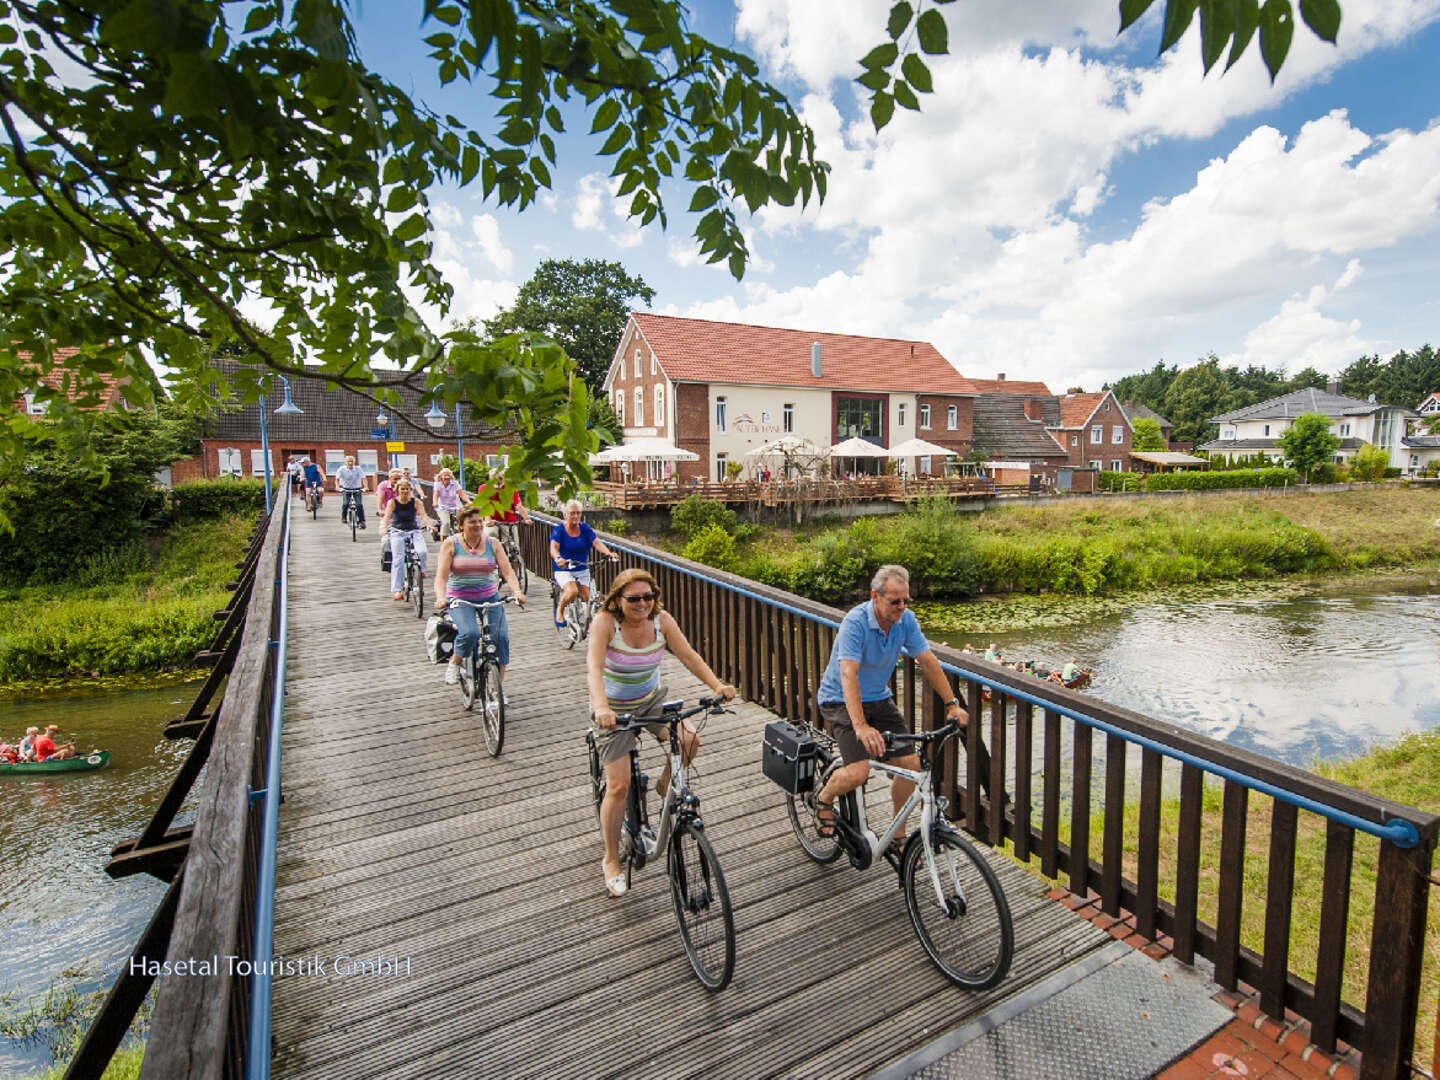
649	839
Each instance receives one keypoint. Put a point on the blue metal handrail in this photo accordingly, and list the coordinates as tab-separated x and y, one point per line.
1397	831
257	1059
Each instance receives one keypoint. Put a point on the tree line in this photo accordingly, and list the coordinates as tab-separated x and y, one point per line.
1189	397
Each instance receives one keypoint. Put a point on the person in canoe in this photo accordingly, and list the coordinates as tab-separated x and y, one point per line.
27	744
994	655
46	748
8	754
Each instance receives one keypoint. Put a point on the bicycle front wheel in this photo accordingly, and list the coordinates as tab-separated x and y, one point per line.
419	594
702	906
803	822
494	707
467	681
522	575
969	935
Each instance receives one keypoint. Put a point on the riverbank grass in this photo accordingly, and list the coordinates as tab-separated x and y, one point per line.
141	618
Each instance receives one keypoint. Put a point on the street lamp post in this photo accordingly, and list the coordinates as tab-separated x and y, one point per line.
383	419
286	408
436	419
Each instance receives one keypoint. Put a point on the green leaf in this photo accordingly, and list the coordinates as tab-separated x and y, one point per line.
882	56
1130	10
400	199
875	79
1247	18
469	165
737	265
1217	24
517	132
917	74
933	33
258	19
540	172
881	109
705	196
449	15
1178	14
618	138
1277	27
1322	16
412	227
605	116
900	16
191	88
905	97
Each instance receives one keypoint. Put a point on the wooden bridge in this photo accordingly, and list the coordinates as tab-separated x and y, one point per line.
456	901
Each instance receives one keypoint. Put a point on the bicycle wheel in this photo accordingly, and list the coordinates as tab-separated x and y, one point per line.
409	577
467	681
419	593
597	773
354	525
522	575
314	506
970	937
702	906
572	633
494	707
801	811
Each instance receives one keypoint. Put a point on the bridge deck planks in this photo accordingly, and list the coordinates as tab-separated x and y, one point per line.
400	837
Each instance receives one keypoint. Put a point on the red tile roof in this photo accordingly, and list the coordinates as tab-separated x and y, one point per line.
1010	386
699	350
1075	409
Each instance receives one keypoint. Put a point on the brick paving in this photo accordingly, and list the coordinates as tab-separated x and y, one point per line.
1252	1045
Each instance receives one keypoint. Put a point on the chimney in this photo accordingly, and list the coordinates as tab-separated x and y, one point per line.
1032	409
1333	386
1000	377
815	359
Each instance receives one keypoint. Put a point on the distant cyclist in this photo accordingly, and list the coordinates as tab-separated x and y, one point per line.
507	522
350	479
314	477
404	517
570	546
448	497
293	469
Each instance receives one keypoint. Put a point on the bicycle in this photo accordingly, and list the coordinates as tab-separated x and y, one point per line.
697	887
414	579
312	500
578	613
956	905
517	561
480	678
352	512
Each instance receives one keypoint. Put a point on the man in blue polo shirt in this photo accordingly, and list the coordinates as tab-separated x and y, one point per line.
855	699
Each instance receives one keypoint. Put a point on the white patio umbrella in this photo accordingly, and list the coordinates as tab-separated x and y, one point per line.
856	447
919	448
643	450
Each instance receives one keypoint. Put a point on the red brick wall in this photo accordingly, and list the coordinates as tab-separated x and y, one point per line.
692	425
192	468
280	452
959	440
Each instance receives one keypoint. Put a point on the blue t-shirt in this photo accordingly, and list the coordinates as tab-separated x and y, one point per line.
574	548
312	473
860	638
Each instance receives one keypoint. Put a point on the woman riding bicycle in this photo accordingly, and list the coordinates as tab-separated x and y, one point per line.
404	516
570	546
627	642
469	569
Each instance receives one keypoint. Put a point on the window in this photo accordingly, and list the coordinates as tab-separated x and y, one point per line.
924	464
406	461
719	414
1267	430
1117	434
765	417
1384	430
227	461
858	418
654	365
1097	434
637	361
435	459
900	415
620	407
952	417
925	417
659	405
1074	440
721	461
257	463
492	460
35	408
639	403
334	459
1116	465
1344	430
1227	432
787	417
369	460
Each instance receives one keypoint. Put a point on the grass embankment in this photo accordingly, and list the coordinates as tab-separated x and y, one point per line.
142	620
1093	549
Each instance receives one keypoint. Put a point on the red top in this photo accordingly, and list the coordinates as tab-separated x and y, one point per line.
44	746
510	515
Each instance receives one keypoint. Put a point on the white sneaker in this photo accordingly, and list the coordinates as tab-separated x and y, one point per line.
452	674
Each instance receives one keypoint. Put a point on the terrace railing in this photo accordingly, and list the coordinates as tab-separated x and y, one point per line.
1058	759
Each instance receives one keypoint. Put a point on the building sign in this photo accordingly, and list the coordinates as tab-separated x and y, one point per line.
394	447
746	423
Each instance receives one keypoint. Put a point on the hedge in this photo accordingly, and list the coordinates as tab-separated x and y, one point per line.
198	499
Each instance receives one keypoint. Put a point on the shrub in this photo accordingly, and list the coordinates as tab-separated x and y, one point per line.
1211	481
937	546
1118	481
695	512
200	499
712	546
618	526
832	567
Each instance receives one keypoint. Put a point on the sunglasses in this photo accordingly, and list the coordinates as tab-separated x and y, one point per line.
900	602
639	598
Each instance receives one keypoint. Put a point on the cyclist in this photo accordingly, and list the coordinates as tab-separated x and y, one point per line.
507	521
314	477
854	697
470	567
350	479
403	517
292	467
570	545
627	643
447	497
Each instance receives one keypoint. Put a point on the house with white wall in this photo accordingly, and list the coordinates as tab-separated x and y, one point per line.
1257	428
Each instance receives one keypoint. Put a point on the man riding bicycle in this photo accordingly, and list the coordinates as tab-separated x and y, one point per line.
855	700
350	479
314	477
570	546
507	527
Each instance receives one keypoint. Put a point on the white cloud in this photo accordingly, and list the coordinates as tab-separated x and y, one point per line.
596	209
1300	335
487	234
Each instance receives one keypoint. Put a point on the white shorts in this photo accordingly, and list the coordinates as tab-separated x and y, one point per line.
579	577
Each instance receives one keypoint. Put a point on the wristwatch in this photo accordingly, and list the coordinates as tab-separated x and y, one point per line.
952	701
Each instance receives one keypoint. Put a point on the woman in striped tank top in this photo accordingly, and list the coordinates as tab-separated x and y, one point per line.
627	643
470	569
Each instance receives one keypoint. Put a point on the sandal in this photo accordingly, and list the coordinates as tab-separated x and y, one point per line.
615	886
824	819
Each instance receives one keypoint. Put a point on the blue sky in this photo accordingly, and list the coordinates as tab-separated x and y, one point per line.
1067	207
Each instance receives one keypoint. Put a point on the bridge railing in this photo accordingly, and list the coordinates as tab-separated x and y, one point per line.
1054	761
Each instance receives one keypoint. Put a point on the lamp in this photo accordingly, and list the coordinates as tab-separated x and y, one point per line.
383	420
435	418
286	408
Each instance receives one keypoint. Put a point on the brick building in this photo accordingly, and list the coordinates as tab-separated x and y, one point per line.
1023	422
722	389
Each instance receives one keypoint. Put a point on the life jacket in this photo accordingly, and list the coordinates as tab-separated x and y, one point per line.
8	753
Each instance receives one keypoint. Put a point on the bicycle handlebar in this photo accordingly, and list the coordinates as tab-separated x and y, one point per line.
669	715
479	604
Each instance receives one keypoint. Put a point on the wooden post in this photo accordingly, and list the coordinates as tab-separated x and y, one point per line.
1397	946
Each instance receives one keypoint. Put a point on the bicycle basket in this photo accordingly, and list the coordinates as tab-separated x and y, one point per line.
788	756
439	638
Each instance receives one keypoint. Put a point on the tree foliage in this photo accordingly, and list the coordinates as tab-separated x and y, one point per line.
1147	435
581	305
1309	442
1370	462
1405	379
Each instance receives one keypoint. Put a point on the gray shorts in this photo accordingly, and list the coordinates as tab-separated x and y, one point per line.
614	745
881	715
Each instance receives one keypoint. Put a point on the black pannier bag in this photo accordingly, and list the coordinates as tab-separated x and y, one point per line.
385	557
789	756
439	638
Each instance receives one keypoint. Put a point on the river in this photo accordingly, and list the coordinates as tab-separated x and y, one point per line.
58	909
1300	678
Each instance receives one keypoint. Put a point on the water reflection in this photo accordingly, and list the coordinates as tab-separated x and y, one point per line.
58	908
1297	679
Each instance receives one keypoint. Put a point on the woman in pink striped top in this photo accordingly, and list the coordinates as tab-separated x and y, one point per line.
628	640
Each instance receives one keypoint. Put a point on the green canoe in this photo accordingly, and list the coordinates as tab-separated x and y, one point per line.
96	759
